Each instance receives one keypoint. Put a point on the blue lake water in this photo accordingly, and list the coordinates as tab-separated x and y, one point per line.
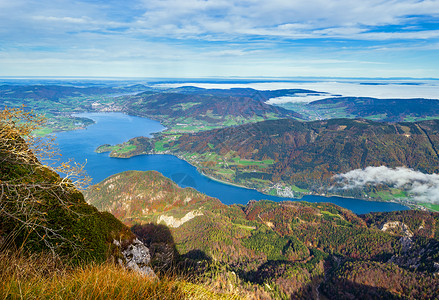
114	128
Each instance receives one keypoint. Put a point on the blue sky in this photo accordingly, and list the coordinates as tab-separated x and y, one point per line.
199	38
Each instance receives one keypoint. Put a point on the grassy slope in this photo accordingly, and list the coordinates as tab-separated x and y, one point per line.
83	233
39	277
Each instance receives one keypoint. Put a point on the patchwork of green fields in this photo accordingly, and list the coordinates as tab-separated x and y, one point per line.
431	206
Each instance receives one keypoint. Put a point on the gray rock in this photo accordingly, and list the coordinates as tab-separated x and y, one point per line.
137	257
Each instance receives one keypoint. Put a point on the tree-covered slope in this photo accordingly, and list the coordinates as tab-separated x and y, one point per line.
274	250
64	223
129	193
308	154
195	111
387	110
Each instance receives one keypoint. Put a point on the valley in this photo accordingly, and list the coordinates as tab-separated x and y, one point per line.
114	128
293	159
238	242
187	110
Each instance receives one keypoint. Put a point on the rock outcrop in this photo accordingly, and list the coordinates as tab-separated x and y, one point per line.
136	257
170	221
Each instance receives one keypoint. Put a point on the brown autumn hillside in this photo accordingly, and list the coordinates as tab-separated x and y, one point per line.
293	247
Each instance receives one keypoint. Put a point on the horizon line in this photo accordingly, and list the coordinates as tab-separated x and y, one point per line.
216	77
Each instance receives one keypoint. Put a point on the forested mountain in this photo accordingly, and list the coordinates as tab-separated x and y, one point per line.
200	107
387	110
278	250
308	154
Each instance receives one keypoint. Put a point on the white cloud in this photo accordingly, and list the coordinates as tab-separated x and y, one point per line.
230	19
388	89
82	20
230	52
299	98
420	186
419	35
291	19
225	37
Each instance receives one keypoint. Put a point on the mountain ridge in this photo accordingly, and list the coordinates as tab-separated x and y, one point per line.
385	110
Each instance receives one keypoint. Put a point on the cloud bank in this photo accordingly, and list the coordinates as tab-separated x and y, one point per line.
420	186
386	89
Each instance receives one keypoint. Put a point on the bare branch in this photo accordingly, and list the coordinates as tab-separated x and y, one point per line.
28	188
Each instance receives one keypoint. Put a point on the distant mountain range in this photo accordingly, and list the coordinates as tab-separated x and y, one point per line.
55	93
190	109
304	155
387	110
180	109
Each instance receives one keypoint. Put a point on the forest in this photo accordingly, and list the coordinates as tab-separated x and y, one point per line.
278	249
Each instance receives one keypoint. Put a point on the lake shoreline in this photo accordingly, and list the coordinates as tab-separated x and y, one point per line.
116	128
154	152
262	192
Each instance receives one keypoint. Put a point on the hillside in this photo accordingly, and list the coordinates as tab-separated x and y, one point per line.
193	109
306	155
386	110
127	191
278	250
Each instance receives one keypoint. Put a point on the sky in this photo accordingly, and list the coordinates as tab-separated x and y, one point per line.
224	38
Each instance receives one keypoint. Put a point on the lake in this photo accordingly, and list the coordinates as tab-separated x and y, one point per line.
114	128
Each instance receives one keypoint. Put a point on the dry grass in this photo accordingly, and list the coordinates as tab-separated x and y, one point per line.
42	277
